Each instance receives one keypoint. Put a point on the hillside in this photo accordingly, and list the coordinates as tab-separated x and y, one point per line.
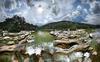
64	25
16	24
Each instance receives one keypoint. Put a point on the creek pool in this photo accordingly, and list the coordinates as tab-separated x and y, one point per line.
42	37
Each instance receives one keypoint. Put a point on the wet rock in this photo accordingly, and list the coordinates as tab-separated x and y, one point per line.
30	50
65	45
94	53
59	57
11	43
29	41
76	56
87	57
46	56
26	59
7	48
68	46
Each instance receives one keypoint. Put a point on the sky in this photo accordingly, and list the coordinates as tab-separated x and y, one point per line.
41	12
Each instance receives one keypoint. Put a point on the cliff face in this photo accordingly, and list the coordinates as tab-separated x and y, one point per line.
16	24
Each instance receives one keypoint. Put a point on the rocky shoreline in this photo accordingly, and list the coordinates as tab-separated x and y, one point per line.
69	46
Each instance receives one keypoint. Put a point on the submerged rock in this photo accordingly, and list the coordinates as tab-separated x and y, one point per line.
30	50
10	42
76	56
47	57
59	57
87	57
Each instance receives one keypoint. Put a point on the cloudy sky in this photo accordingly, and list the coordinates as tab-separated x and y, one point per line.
40	12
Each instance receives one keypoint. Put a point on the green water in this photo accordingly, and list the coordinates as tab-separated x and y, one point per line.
42	36
5	57
19	56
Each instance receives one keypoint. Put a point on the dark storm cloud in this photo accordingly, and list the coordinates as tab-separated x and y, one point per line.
8	4
96	9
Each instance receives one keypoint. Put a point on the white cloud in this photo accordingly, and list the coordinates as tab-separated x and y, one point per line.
29	10
48	10
93	19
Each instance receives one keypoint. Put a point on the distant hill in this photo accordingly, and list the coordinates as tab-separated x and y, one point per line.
16	24
64	25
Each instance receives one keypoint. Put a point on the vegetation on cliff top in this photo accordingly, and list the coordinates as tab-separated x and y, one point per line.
16	24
